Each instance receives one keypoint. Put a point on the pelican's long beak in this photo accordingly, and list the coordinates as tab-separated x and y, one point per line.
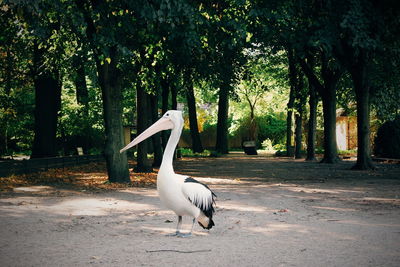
161	124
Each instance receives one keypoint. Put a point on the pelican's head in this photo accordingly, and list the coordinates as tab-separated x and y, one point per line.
172	119
175	116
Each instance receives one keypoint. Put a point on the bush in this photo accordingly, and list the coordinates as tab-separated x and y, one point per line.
267	145
387	141
268	127
272	127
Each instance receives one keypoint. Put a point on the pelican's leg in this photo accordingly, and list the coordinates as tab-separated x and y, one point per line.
178	227
191	230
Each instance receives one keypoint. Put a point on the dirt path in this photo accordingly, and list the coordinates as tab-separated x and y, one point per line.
271	212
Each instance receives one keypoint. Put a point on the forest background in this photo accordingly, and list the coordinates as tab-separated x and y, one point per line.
77	73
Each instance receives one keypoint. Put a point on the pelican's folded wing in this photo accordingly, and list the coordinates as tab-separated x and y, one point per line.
200	195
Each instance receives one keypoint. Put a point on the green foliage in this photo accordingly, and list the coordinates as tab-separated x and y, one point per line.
16	86
187	152
77	128
269	126
272	127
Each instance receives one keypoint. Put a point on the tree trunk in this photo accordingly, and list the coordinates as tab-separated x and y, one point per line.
298	133
301	99
290	105
82	97
164	107
362	90
222	124
47	105
109	80
253	130
312	124
156	138
82	94
7	93
329	110
191	101
327	90
174	97
142	104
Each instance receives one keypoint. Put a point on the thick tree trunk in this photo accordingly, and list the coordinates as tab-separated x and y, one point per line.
329	110
222	124
194	130
156	138
312	124
109	80
47	105
142	106
362	89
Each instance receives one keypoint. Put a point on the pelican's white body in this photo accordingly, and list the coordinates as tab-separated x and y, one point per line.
169	187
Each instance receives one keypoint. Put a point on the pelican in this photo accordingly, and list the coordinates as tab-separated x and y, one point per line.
182	194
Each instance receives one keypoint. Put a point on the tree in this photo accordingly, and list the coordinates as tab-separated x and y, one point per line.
301	98
293	80
16	86
330	75
107	57
47	105
45	27
191	101
312	118
252	87
366	28
226	38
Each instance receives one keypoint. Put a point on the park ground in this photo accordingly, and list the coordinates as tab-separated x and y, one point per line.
270	212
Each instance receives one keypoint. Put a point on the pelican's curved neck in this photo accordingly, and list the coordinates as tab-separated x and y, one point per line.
168	156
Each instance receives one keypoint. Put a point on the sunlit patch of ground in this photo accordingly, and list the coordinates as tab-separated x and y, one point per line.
92	176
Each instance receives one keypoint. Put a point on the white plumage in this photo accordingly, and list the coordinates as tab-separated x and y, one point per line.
182	194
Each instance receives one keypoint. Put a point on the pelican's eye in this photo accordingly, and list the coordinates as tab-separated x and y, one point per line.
167	114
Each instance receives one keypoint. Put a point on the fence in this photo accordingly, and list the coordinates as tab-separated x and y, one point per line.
10	167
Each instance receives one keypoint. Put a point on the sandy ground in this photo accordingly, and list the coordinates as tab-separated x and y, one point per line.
270	212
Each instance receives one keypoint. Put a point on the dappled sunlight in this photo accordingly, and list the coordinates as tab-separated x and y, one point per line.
218	181
279	228
314	190
334	208
298	231
242	207
78	206
363	223
395	201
